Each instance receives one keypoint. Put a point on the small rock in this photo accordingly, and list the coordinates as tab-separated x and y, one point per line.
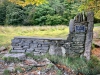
21	65
1	61
55	50
11	69
63	51
1	73
46	61
18	71
2	48
30	62
96	42
95	35
52	50
12	64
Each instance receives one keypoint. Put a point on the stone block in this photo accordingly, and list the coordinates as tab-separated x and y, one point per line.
39	45
61	42
30	49
71	25
33	45
17	51
44	45
79	34
27	51
40	42
90	17
78	51
16	40
20	44
35	42
25	47
90	27
39	48
20	56
14	44
28	41
79	39
26	44
45	48
37	53
88	43
17	48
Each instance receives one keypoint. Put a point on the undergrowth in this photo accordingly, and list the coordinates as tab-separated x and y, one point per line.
79	65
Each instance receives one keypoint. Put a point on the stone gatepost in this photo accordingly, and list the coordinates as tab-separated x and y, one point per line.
89	35
80	35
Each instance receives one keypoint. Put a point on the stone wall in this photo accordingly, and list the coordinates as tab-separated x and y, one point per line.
80	38
78	42
35	45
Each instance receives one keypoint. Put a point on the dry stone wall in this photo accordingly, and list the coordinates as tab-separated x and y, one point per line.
77	43
81	33
37	46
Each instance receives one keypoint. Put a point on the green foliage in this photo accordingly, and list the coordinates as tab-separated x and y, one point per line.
41	12
18	69
6	72
93	46
15	14
52	13
29	11
97	17
54	20
59	72
29	55
10	59
2	14
79	65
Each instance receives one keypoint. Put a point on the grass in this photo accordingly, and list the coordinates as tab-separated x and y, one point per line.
97	24
9	32
78	65
91	67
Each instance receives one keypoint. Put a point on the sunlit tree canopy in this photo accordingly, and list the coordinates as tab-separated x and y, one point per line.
26	2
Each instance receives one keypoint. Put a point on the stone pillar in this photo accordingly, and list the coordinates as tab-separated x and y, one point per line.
71	25
89	35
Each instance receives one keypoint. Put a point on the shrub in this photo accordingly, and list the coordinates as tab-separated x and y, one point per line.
6	72
54	20
15	14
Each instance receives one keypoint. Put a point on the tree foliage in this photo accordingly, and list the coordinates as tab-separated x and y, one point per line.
2	14
14	14
44	12
27	2
91	5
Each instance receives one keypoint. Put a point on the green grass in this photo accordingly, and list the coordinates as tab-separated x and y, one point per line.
9	32
97	24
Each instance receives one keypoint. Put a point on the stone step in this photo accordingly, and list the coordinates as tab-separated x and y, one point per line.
18	51
20	56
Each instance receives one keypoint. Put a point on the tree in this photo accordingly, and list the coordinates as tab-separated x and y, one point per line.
14	14
41	12
2	14
27	2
